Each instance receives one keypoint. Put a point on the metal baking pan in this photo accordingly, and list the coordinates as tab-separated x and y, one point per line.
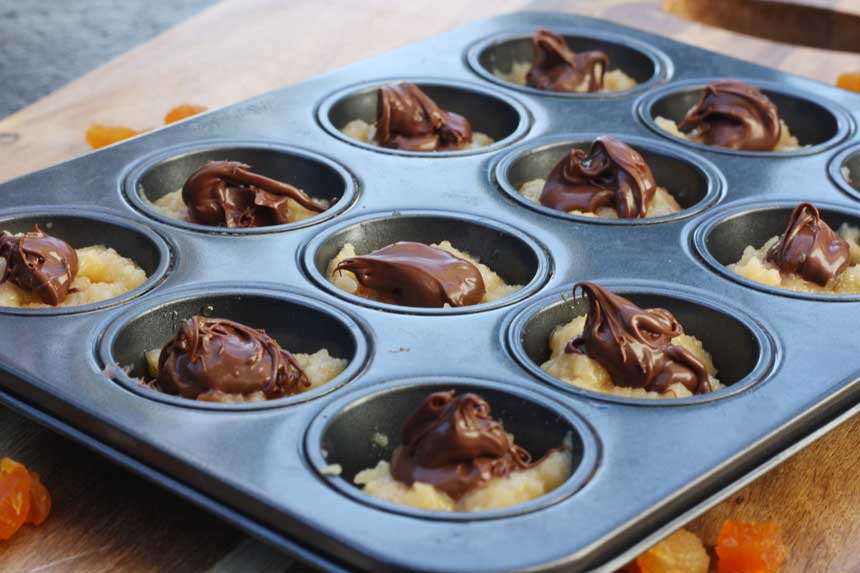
641	467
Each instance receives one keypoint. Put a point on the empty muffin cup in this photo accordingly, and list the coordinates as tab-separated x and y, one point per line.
360	429
165	172
299	324
499	53
82	227
722	238
845	171
497	115
695	183
816	123
516	257
740	347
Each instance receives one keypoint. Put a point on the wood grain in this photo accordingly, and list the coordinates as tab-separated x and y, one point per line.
108	520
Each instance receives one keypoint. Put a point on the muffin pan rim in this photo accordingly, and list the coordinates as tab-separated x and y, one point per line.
166	249
108	331
588	466
544	270
766	365
323	109
129	181
834	169
663	66
714	194
738	209
844	123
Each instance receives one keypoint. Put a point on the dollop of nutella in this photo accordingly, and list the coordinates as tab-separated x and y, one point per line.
453	444
635	345
612	174
228	194
406	118
557	68
809	247
211	356
735	115
415	274
40	264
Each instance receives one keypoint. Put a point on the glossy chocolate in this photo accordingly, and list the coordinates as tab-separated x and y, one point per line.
228	194
809	247
612	174
453	444
209	358
40	264
635	345
406	118
415	274
735	115
557	68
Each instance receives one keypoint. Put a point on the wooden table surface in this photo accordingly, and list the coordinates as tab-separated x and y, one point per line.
106	519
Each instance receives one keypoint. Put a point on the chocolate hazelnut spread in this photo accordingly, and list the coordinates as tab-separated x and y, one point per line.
809	247
735	115
40	264
213	356
557	68
612	174
415	274
228	194
635	345
453	444
406	118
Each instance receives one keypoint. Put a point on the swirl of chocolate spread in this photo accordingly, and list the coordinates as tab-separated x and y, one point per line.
213	356
453	444
406	118
735	115
40	264
635	344
415	274
809	247
556	68
227	194
612	174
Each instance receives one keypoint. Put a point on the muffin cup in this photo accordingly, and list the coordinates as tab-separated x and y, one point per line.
515	256
742	350
817	123
638	60
496	114
298	323
166	171
693	181
343	433
84	227
722	238
847	162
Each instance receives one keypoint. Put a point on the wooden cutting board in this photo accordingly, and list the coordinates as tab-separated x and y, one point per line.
108	520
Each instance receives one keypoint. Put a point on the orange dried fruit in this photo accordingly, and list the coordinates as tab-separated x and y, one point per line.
182	111
99	136
849	81
750	548
681	552
14	497
40	501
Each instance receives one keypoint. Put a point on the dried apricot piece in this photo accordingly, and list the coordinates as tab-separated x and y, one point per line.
14	497
849	81
99	136
750	548
40	501
681	552
182	111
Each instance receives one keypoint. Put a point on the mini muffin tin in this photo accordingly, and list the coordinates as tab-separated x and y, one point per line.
641	467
